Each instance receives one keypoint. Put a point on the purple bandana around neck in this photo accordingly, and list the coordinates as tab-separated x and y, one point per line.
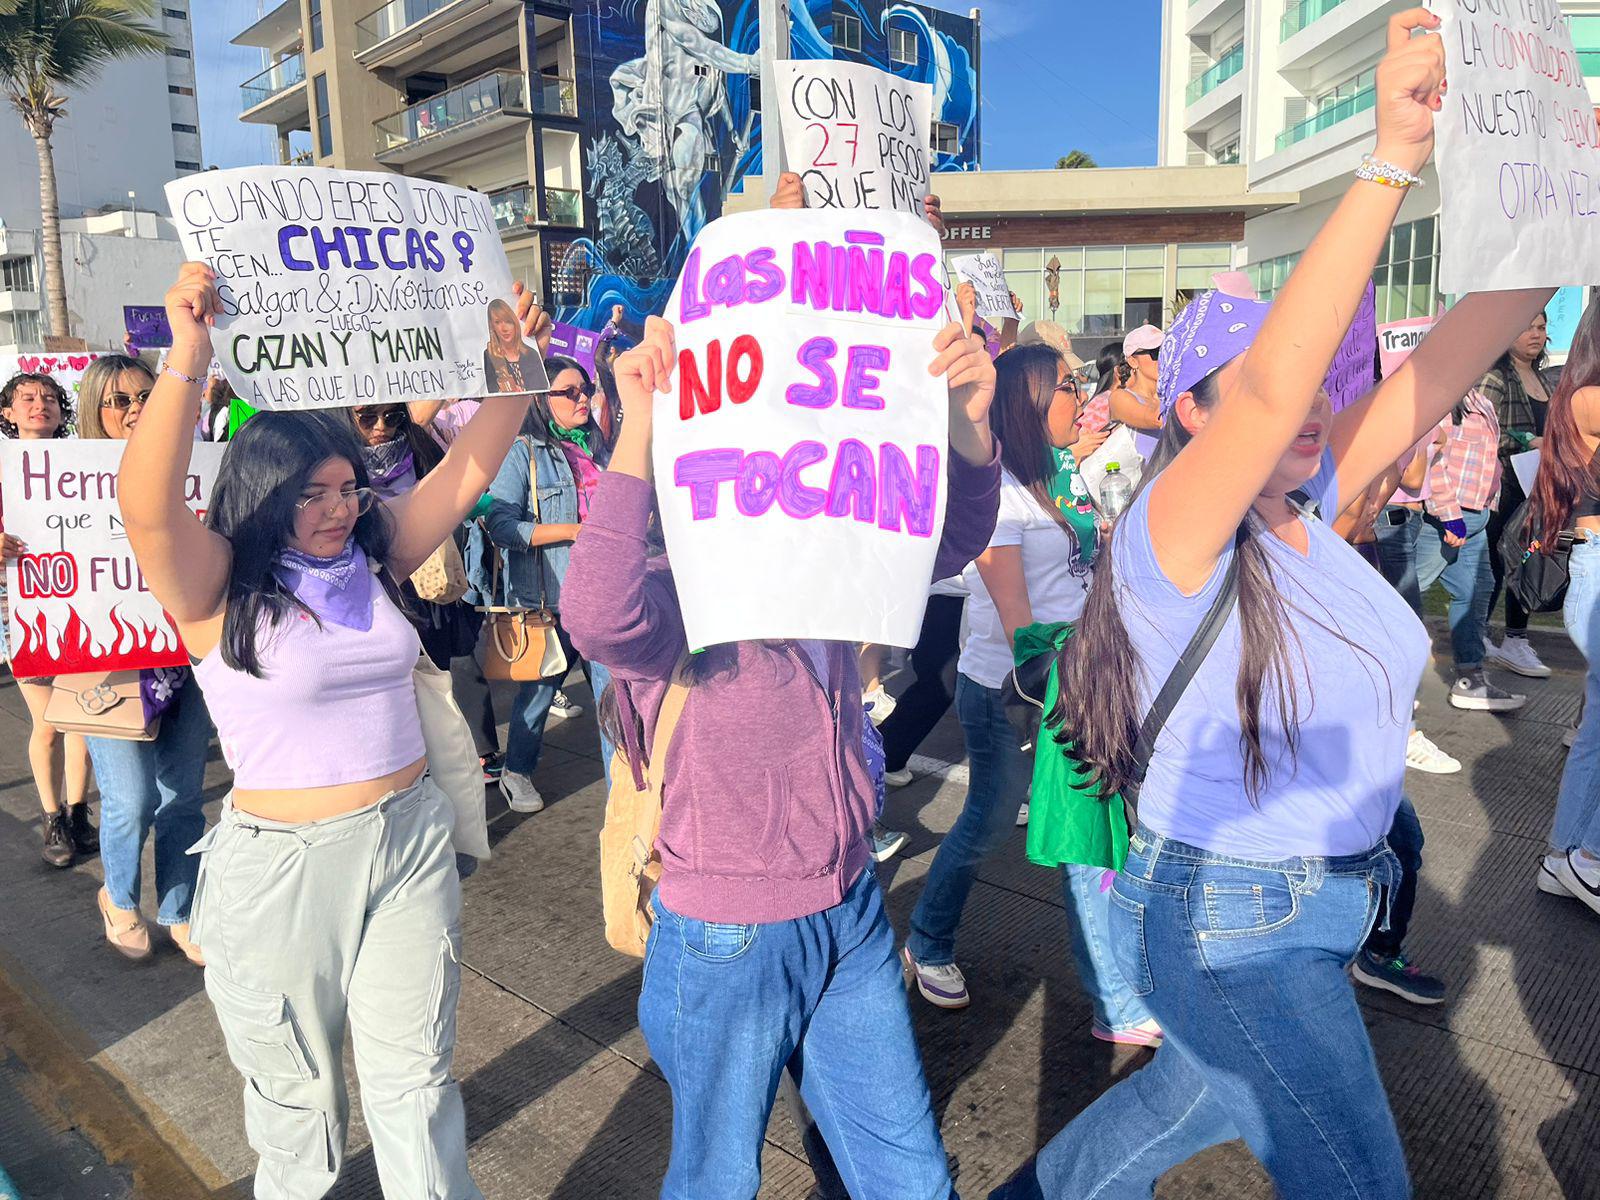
337	589
1214	330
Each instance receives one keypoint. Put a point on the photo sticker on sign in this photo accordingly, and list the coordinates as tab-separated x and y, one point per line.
800	458
341	288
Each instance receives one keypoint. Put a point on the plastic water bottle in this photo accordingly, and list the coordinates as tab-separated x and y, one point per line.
1116	492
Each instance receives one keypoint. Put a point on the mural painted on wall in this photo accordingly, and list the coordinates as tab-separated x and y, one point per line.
665	92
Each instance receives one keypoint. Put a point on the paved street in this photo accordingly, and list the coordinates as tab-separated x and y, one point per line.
117	1071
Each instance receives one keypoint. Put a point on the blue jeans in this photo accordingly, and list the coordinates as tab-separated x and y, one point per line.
1405	839
158	784
725	1007
999	774
530	711
1243	963
1415	557
1577	821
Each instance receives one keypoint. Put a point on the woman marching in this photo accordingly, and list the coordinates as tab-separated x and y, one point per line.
1258	863
329	896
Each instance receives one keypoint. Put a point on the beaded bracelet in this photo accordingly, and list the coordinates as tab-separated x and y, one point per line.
169	369
1375	170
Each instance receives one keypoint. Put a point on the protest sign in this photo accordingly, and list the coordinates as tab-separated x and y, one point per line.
347	287
800	457
147	325
1397	339
857	136
1561	318
76	600
1517	159
577	344
1526	468
1350	376
65	369
988	279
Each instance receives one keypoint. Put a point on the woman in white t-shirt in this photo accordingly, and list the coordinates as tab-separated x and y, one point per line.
1037	568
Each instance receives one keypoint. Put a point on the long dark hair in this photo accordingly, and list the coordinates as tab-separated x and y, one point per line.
1100	708
263	473
1567	467
1113	368
8	427
539	420
426	452
1024	387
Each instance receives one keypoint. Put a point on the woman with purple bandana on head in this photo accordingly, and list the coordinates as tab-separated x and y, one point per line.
1259	862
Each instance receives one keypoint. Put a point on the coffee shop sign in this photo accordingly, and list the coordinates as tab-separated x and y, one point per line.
968	233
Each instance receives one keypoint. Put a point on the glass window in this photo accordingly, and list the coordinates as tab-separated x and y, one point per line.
323	117
1406	274
1102	302
946	138
1147	256
316	24
1103	256
177	14
1022	260
17	274
1218	254
902	46
1070	256
1146	282
847	32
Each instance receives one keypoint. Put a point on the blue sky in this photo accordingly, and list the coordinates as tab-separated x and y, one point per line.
1058	75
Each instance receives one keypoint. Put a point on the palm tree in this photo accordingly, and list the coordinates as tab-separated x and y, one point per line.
1075	160
48	47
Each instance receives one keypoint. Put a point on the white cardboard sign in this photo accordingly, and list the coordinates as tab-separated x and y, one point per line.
857	136
1518	163
988	279
351	287
800	457
76	601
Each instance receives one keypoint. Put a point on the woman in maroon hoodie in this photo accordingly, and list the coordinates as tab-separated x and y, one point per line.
770	940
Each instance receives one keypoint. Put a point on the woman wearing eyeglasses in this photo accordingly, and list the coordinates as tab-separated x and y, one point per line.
558	458
146	786
330	902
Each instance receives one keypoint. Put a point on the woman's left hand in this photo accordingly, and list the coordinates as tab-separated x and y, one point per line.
537	326
11	546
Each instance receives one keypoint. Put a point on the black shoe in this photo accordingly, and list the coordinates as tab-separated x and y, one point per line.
1398	976
85	838
57	850
494	765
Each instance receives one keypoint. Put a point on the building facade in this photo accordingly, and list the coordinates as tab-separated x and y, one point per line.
607	134
119	143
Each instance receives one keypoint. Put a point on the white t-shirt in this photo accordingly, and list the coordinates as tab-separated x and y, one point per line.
1058	582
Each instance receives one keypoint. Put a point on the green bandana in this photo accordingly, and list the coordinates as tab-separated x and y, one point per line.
579	437
1066	488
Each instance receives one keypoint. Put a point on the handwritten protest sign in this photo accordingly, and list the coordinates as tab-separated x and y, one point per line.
77	600
988	279
1397	339
577	344
1350	376
147	324
1517	160
800	458
1561	318
857	136
65	369
348	287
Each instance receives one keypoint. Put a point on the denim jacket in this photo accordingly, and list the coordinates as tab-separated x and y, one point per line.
524	583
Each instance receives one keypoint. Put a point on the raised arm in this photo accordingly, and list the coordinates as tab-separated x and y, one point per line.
185	564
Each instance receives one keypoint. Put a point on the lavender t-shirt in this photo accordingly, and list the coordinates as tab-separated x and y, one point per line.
1340	794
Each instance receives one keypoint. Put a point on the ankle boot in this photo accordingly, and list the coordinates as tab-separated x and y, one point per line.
57	850
85	838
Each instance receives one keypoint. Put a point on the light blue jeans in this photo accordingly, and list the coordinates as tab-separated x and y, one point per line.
1577	821
1415	557
156	785
530	712
1243	963
999	774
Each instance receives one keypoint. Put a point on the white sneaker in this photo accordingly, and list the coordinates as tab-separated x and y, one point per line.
898	779
521	796
1423	755
879	705
943	985
886	843
564	708
1573	875
1517	654
1022	814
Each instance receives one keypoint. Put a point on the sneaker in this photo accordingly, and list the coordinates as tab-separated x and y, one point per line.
886	843
898	779
1398	976
943	986
1148	1034
493	764
1423	755
521	796
1517	654
879	705
85	838
1571	875
1022	814
564	708
57	851
1474	691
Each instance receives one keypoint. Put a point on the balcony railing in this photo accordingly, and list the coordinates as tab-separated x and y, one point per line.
566	206
1225	68
555	95
279	77
483	97
514	208
1301	13
301	158
1330	116
383	23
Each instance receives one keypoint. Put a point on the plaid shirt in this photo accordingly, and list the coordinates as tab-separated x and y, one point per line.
1513	408
1466	474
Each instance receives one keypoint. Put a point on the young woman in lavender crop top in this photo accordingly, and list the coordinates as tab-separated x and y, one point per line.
328	894
1259	861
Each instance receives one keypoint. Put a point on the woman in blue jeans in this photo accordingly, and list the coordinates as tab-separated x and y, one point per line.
1037	568
1259	862
1566	495
146	786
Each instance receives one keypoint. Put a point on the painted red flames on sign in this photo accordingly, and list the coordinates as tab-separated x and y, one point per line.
75	648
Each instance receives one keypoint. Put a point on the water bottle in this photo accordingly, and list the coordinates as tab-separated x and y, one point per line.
1115	493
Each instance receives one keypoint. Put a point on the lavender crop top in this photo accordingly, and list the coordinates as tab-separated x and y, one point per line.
333	705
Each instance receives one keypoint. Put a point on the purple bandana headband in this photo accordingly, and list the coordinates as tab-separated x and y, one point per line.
1214	330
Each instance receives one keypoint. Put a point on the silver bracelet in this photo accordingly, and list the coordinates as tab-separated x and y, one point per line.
169	369
1375	170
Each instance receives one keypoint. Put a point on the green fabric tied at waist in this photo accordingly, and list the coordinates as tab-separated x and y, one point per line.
1068	820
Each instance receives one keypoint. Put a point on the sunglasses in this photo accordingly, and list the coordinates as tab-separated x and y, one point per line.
1155	354
573	394
123	401
391	418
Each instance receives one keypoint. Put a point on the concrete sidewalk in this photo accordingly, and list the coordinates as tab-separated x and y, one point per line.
1497	1092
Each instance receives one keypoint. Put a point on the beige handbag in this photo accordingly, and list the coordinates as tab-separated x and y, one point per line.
522	645
442	578
104	704
452	757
